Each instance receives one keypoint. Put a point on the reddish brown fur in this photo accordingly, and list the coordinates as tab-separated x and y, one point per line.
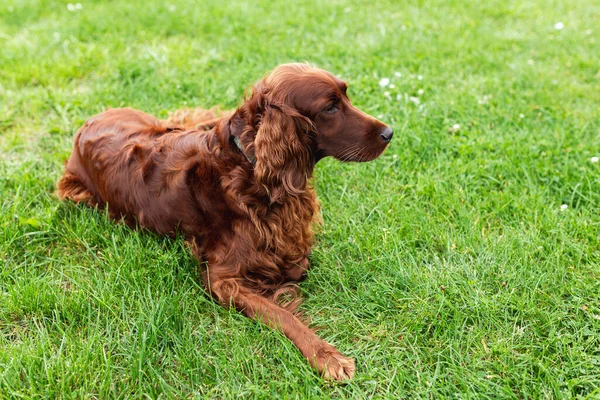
252	223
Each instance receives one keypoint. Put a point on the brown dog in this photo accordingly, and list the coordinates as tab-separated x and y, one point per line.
240	192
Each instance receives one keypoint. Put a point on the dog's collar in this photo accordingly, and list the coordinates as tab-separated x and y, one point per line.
236	140
238	143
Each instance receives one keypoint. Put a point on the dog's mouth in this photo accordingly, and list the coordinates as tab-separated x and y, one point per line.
358	152
363	150
355	153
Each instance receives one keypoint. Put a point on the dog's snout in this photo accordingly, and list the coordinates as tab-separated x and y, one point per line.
387	134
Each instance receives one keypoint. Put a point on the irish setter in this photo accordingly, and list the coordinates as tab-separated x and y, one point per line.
237	186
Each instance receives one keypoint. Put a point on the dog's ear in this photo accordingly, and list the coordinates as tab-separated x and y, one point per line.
283	153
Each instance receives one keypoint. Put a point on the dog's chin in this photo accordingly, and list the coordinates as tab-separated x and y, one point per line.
360	155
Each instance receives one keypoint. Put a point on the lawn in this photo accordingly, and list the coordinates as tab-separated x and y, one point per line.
463	263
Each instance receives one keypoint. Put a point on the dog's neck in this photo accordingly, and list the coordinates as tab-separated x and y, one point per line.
240	132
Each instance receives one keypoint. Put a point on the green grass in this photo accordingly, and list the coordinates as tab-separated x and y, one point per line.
446	267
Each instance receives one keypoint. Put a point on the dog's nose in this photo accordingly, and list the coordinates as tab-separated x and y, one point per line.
387	134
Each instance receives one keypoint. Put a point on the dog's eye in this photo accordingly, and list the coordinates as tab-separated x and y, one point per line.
331	108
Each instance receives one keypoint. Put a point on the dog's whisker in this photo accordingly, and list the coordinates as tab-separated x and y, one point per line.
343	156
350	152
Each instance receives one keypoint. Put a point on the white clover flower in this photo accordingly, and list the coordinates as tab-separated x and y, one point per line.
392	86
456	127
521	115
420	92
485	99
415	100
398	97
172	7
594	159
397	74
530	62
384	82
74	7
386	94
420	77
564	207
558	26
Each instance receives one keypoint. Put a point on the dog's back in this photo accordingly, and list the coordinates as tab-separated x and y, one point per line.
128	159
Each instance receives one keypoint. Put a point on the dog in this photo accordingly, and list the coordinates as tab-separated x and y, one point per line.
236	185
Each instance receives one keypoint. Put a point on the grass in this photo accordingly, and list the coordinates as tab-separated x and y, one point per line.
447	267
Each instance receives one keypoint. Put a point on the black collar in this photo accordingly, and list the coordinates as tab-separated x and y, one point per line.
237	142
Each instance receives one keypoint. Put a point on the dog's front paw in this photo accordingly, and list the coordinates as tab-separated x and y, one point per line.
333	365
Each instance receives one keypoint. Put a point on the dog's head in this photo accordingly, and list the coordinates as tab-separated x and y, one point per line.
299	114
337	127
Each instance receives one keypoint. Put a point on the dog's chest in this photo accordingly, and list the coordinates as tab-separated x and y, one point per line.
287	231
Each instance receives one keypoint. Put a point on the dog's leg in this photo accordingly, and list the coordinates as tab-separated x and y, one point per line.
320	354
